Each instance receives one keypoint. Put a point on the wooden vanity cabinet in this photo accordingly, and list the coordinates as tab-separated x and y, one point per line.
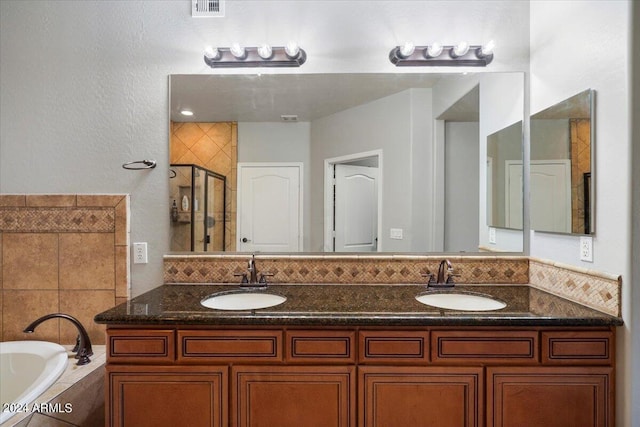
365	377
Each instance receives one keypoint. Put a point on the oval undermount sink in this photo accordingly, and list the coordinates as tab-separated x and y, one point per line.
460	301
242	300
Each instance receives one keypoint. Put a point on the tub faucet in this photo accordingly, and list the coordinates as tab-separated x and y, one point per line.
83	346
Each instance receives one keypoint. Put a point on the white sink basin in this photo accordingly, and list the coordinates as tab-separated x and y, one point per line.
459	301
242	300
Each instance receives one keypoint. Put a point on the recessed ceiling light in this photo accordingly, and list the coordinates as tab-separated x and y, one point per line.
186	112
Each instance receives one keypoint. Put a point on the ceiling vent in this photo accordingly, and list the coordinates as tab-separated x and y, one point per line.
289	117
207	8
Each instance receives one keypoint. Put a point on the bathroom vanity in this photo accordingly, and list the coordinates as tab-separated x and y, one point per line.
358	355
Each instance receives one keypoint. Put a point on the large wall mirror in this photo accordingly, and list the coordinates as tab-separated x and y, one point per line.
562	174
376	162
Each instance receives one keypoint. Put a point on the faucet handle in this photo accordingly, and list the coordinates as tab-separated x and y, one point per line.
245	279
263	277
431	276
450	276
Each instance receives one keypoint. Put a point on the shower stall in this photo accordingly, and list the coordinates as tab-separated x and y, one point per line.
197	211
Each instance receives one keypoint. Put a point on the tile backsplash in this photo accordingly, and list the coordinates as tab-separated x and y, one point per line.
61	253
344	269
597	290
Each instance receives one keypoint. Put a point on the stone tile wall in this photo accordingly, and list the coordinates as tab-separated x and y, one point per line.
61	253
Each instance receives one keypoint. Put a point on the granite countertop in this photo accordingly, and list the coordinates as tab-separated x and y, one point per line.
352	305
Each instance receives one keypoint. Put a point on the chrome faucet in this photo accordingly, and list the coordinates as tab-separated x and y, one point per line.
83	345
440	281
251	276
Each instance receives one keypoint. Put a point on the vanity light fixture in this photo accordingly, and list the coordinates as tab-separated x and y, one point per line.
290	55
435	54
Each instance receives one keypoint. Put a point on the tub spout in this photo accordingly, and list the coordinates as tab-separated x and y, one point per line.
83	346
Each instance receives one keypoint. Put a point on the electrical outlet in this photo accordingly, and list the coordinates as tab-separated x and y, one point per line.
140	253
492	235
586	248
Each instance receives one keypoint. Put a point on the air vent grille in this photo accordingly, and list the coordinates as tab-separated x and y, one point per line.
289	118
207	8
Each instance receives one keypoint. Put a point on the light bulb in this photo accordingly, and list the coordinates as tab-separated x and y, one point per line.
460	49
433	50
292	49
238	51
211	53
487	49
265	51
186	112
406	50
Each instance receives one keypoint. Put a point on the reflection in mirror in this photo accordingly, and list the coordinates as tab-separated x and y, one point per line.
504	177
292	132
561	178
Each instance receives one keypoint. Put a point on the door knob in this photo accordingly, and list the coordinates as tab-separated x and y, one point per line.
245	240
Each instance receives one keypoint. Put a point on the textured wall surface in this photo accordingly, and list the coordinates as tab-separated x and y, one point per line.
84	85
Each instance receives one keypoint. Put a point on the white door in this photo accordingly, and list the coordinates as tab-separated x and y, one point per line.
356	208
269	208
551	195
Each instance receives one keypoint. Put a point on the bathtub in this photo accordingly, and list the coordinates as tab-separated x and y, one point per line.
27	369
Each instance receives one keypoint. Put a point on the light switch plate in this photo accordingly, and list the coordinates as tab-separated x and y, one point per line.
395	233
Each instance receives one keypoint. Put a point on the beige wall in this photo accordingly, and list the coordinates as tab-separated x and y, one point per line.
61	253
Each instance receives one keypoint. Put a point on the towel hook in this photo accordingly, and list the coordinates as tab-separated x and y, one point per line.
141	164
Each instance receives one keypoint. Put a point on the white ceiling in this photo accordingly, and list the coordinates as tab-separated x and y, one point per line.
264	98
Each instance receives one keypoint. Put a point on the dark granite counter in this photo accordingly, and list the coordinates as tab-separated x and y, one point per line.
352	305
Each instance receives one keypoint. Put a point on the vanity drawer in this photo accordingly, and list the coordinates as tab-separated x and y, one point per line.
577	347
411	347
229	346
502	347
148	346
320	346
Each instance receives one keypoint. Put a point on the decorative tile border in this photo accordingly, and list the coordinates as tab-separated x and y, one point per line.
599	291
343	268
57	220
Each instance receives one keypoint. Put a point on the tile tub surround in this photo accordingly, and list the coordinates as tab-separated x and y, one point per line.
61	253
82	386
600	291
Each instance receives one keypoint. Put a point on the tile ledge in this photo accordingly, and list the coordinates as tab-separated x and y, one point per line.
576	269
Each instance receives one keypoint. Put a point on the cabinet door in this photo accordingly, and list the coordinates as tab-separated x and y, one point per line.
293	396
420	396
167	396
550	397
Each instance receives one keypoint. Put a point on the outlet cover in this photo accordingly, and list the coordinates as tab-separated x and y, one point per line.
140	253
492	235
586	248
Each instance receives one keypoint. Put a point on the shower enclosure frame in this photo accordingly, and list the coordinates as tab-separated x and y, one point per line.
192	197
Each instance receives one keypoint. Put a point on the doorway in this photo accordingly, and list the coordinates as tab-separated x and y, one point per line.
353	202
